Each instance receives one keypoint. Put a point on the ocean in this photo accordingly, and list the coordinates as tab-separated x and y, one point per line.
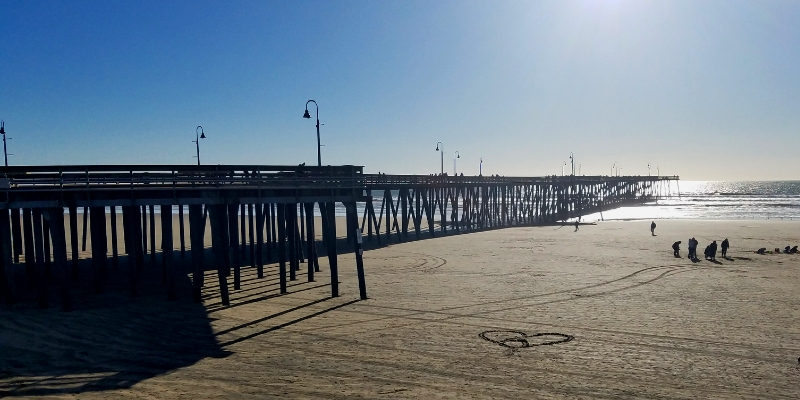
718	200
707	200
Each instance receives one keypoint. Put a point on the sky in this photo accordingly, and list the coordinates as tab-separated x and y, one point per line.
707	90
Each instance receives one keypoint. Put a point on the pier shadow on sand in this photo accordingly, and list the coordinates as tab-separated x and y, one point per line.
110	341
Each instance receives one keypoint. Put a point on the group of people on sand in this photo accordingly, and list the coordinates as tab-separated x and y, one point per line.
710	252
786	250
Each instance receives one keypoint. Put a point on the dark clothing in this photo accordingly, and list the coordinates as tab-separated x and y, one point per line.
677	247
712	250
725	245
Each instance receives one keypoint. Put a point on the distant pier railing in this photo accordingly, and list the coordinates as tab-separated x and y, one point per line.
441	204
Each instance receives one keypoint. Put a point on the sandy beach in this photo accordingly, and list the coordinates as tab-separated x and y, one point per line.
453	317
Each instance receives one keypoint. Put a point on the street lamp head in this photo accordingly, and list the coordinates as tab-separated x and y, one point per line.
307	115
2	127
202	134
437	146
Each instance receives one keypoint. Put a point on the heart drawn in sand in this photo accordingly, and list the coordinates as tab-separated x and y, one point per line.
521	340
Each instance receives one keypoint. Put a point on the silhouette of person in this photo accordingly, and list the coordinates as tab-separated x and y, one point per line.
677	248
576	224
725	245
793	250
712	250
653	228
692	248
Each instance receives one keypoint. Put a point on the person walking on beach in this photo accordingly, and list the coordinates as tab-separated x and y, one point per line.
692	248
576	224
653	228
677	248
725	245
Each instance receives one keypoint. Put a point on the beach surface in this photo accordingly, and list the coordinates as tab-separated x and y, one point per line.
533	312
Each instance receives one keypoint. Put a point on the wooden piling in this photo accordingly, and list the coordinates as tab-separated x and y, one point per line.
167	247
243	230
152	234
30	252
7	289
16	234
251	235
332	259
291	226
260	240
235	251
357	249
181	230
221	232
114	246
55	218
97	219
73	239
311	242
197	228
85	226
281	222
38	242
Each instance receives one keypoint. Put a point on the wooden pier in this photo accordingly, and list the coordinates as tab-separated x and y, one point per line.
253	212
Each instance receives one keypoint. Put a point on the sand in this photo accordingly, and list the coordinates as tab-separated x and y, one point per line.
644	324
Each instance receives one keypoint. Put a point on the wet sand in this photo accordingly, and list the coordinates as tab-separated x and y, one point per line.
644	324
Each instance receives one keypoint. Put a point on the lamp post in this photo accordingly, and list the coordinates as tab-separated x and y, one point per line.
199	134
658	171
480	168
612	168
456	156
441	152
307	115
3	132
579	169
572	162
648	169
562	168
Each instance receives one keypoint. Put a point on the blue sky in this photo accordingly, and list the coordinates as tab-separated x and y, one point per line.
708	90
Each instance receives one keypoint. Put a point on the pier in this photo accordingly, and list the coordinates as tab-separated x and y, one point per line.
257	215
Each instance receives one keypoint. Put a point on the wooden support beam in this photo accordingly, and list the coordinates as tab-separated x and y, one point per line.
311	241
291	233
85	226
55	218
243	230
234	254
7	287
167	248
38	240
114	245
259	240
352	215
73	240
332	259
144	230
220	231
16	234
131	228
197	231
48	267
281	222
97	217
251	234
182	230
152	234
